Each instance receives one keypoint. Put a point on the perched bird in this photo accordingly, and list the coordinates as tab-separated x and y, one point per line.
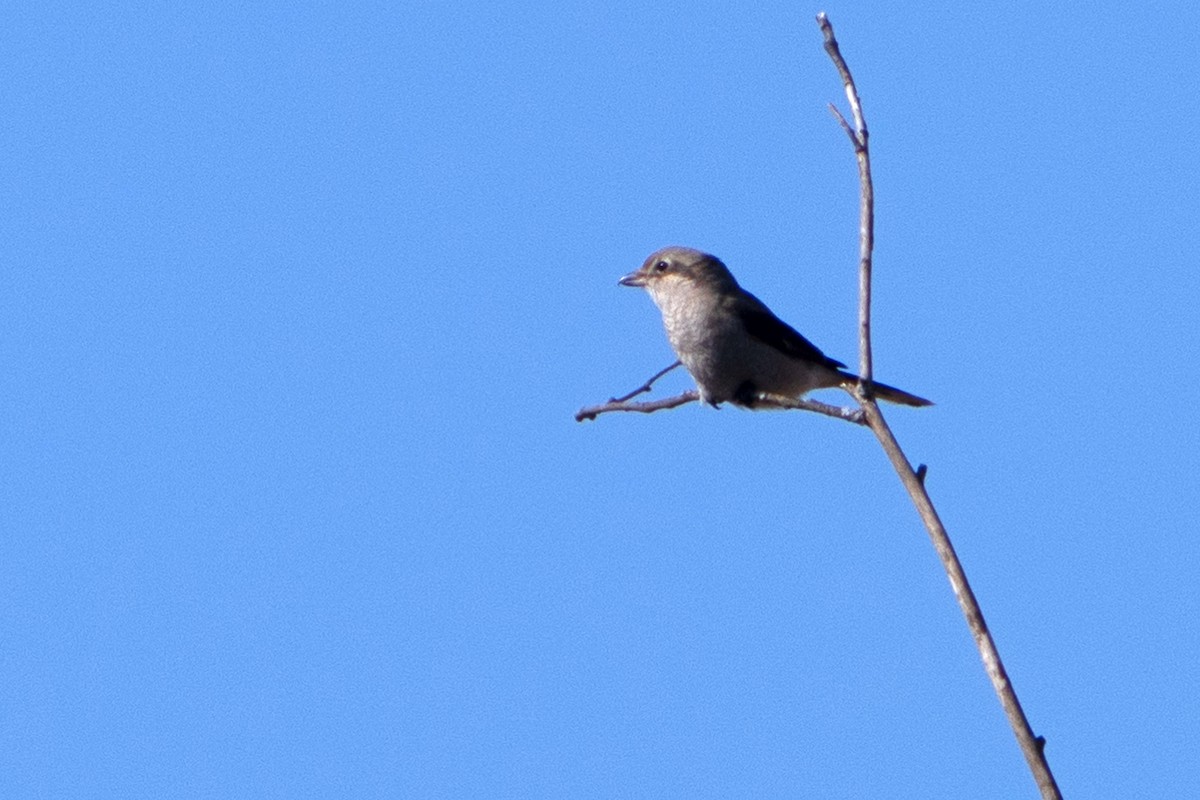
731	343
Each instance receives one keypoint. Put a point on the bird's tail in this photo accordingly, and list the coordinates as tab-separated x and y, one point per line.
889	393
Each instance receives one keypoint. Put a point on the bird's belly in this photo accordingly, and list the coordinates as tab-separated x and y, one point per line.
723	368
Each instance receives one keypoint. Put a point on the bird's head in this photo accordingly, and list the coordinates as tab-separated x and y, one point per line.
680	269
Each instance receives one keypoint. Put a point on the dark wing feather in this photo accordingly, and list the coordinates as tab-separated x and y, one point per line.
770	329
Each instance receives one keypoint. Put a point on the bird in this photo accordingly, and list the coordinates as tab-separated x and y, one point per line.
733	346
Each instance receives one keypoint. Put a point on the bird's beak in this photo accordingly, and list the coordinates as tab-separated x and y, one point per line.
635	279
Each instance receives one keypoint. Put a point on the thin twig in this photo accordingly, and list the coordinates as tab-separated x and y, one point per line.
622	403
591	412
835	53
866	212
1032	746
845	125
645	387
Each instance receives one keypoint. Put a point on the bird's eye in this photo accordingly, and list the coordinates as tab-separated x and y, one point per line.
661	266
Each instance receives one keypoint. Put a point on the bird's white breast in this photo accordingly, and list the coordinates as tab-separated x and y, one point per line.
713	344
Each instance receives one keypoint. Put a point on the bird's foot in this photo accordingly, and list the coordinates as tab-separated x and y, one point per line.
746	394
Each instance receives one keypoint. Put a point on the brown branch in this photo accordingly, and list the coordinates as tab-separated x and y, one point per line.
646	407
845	125
645	387
866	212
914	482
781	403
764	401
622	403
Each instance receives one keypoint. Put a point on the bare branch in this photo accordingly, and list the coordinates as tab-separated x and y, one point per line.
914	481
835	53
645	387
591	412
914	484
764	401
845	125
866	212
779	402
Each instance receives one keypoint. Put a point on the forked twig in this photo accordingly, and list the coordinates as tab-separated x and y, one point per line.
645	407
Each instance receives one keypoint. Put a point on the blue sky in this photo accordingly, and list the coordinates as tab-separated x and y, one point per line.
299	303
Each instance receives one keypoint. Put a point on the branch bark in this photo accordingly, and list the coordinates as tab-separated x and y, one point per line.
914	481
764	401
646	407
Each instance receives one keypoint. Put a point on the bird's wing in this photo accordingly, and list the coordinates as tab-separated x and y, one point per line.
763	325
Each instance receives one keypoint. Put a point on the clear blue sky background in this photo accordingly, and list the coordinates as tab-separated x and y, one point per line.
298	305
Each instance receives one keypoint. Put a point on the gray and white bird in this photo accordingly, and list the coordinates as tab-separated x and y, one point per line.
730	342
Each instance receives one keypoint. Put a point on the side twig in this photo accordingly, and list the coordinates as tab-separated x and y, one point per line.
591	412
645	387
914	481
